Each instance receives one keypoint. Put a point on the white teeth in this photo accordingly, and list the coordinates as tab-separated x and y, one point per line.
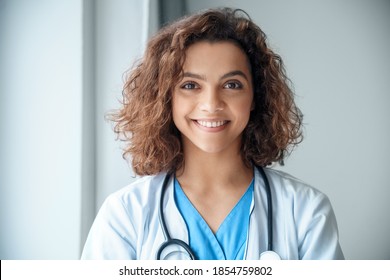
211	124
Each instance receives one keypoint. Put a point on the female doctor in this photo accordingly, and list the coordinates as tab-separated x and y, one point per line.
203	113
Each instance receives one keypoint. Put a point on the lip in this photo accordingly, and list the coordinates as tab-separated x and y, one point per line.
211	125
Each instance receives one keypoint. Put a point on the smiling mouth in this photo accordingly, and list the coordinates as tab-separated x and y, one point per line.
211	124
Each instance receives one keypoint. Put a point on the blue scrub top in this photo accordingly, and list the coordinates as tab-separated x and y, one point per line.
229	242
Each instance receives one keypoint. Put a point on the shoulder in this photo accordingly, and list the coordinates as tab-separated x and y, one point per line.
289	185
128	209
296	195
139	193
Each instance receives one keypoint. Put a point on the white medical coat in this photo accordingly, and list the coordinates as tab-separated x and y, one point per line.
128	227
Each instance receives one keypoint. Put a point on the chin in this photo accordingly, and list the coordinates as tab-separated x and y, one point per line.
211	149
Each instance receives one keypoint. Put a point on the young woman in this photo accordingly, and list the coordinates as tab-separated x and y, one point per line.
204	112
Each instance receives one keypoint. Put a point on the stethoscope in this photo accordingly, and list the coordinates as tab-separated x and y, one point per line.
267	255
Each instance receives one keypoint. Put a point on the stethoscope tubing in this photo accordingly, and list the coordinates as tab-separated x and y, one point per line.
269	208
168	240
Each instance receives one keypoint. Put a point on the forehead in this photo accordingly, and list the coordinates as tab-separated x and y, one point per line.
224	55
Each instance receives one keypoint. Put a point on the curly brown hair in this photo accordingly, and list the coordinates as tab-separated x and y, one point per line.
145	122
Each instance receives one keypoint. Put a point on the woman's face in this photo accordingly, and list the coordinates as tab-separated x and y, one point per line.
211	105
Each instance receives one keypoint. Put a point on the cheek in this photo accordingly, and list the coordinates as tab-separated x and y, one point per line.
179	109
244	108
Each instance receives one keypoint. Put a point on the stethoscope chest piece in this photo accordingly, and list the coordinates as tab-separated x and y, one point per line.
269	255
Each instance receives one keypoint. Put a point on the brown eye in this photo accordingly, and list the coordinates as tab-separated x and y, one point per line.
233	85
189	85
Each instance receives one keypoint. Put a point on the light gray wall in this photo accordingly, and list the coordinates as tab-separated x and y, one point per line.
61	71
40	126
121	28
336	53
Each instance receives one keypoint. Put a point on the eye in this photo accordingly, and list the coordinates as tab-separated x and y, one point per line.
189	85
233	85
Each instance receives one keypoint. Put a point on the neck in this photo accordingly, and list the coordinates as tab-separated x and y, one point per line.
214	182
207	171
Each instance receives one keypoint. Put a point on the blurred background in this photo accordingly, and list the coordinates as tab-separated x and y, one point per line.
62	65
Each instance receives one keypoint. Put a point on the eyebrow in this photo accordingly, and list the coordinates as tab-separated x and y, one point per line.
193	75
227	75
234	73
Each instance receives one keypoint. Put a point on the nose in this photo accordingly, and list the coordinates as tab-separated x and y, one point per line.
211	101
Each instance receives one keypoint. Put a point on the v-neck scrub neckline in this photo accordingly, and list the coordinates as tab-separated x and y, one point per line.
229	242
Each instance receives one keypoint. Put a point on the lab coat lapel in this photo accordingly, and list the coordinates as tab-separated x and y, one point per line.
174	222
257	231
